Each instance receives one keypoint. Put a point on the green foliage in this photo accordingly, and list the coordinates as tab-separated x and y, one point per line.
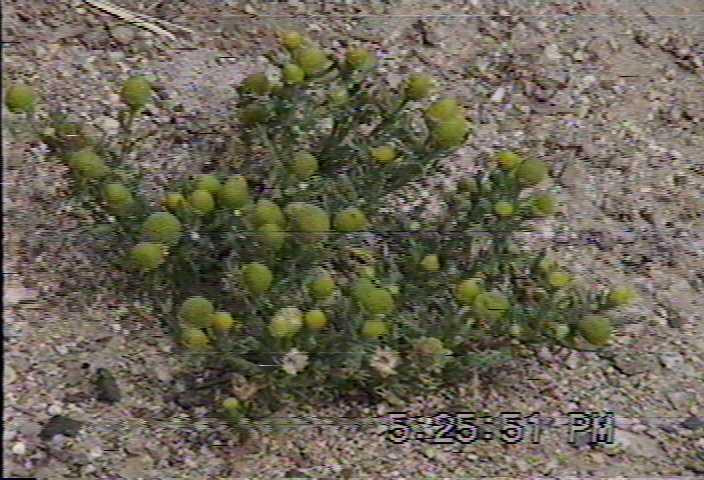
290	236
20	99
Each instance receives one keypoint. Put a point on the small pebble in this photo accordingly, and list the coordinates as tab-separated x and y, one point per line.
19	448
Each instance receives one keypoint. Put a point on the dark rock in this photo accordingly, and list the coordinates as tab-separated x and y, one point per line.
108	390
693	423
60	424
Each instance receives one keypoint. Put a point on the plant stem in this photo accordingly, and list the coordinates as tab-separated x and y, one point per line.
388	120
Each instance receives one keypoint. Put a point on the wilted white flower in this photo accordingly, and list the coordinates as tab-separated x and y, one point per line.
385	361
294	361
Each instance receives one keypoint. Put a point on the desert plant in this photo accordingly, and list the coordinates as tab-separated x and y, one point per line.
321	284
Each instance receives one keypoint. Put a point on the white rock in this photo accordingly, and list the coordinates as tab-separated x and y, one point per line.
19	448
552	52
498	95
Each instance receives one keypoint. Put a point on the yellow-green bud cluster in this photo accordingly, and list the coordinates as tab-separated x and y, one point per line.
430	263
558	279
175	202
266	211
311	59
118	198
234	193
197	311
384	154
272	236
136	92
322	286
147	256
202	202
543	205
253	114
304	165
20	99
162	227
467	290
315	319
503	208
373	329
286	322
291	39
595	329
360	59
209	183
418	86
257	278
222	322
293	74
88	164
309	219
490	305
621	296
531	172
376	300
194	338
350	220
257	83
508	160
430	346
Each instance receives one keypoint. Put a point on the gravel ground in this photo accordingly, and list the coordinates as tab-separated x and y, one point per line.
610	93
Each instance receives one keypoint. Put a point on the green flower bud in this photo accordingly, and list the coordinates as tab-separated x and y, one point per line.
374	329
293	74
339	97
272	236
384	154
231	404
515	330
543	205
362	288
547	265
257	278
136	92
257	84
558	279
443	110
451	133
311	59
360	59
467	185
467	290
508	160
202	202
88	164
316	319
222	322
209	183
621	296
350	220
267	211
147	256
291	40
253	114
490	305
531	172
162	227
595	329
118	197
309	219
175	202
234	193
560	330
377	301
419	86
197	311
286	322
194	338
430	263
20	98
304	165
322	287
430	346
503	208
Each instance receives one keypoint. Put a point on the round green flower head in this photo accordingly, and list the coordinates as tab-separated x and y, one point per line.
322	287
197	311
430	263
311	59
467	185
359	59
419	86
234	193
531	172
257	278
194	338
621	296
362	288
561	330
443	110
286	322
209	183
253	114
339	97
430	346
350	220
162	227
117	196
231	404
257	84
503	208
136	92
291	39
304	165
147	256
595	329
308	218
558	279
377	301
88	164
272	236
467	290
508	160
315	319
451	133
293	74
373	329
202	202
20	98
384	154
175	202
222	322
543	205
490	305
267	211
